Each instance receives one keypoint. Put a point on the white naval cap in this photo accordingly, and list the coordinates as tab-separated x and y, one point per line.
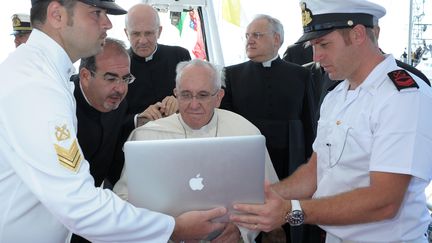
21	23
320	17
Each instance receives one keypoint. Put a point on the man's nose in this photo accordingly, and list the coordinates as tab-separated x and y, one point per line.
194	103
106	22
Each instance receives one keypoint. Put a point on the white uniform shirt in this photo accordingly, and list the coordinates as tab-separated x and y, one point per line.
223	123
377	128
45	182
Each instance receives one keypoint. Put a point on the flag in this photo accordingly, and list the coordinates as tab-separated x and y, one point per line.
195	24
231	11
179	26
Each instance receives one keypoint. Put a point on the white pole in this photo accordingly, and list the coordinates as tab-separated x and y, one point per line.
410	27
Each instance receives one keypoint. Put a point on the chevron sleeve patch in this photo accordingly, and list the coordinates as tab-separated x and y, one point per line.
66	145
70	157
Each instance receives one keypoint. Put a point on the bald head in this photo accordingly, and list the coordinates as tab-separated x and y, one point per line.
142	13
142	27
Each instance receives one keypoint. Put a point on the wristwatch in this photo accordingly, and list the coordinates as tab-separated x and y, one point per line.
296	216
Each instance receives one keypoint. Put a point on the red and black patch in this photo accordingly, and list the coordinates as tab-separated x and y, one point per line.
402	80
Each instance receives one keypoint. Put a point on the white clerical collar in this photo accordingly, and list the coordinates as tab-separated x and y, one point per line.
149	58
85	97
208	129
269	62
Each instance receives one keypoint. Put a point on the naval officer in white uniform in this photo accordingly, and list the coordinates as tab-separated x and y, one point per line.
45	185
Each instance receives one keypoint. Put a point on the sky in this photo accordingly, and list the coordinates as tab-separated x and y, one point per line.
393	37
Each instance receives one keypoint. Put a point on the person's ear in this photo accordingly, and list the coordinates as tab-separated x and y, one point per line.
126	32
220	95
358	33
159	31
85	76
277	39
56	14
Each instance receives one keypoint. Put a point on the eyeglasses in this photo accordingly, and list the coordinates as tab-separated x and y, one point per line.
202	96
255	35
115	79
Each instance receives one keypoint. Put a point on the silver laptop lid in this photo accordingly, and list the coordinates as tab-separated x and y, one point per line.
179	175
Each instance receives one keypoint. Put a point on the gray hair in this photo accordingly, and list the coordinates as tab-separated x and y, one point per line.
275	25
217	74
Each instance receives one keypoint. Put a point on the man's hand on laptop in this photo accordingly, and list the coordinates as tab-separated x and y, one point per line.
262	217
196	225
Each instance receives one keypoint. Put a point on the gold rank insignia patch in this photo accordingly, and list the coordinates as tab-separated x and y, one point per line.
69	158
66	148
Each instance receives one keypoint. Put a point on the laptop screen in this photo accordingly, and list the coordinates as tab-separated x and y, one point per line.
180	175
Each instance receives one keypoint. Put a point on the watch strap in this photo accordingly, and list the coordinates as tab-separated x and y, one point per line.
295	205
295	217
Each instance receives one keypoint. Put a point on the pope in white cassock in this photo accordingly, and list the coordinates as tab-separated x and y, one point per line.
198	91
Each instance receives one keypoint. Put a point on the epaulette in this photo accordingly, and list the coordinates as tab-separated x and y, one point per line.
333	86
402	80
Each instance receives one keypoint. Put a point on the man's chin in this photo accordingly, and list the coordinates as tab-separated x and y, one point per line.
94	51
143	52
111	107
194	123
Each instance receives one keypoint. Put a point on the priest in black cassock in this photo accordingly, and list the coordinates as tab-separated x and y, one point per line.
153	65
151	96
100	88
277	97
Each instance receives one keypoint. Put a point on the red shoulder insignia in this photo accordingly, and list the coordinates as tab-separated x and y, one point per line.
402	80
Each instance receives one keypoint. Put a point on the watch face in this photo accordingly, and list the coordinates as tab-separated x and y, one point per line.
296	218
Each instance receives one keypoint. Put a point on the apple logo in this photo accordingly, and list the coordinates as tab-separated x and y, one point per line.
195	183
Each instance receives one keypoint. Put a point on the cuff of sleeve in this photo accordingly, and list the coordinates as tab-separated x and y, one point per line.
135	120
248	235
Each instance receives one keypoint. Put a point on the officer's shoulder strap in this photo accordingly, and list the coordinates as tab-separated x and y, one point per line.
413	70
402	80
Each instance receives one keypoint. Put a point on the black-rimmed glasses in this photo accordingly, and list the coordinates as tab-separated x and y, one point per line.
115	79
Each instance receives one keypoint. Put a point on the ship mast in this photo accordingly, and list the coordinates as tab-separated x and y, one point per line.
417	44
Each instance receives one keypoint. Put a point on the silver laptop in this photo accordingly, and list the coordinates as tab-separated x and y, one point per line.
180	175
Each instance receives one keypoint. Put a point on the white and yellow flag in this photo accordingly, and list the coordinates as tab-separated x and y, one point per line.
231	11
